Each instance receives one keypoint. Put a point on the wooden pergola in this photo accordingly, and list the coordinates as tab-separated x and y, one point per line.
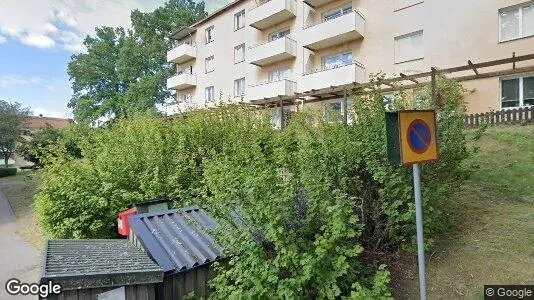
400	82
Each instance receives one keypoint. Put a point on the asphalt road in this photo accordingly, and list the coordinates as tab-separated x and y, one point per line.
18	259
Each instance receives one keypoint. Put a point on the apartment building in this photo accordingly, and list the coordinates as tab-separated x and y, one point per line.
255	49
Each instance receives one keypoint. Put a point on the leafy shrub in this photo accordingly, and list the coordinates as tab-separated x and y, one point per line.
4	172
307	212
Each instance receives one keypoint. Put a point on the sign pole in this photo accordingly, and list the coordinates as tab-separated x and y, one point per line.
419	226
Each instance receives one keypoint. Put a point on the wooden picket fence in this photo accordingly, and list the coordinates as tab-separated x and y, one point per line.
522	115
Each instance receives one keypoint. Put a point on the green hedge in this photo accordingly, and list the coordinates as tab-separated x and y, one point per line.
4	172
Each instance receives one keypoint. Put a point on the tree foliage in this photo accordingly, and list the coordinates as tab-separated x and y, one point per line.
124	71
36	148
307	212
12	116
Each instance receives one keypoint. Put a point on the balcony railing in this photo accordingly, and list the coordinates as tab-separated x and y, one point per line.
324	78
272	51
182	52
327	33
282	87
181	81
272	12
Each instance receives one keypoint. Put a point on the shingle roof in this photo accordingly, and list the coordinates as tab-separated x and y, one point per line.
177	240
97	263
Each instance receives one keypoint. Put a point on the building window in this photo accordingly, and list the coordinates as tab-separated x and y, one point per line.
517	92
209	34
239	53
185	98
210	94
279	74
239	20
516	22
333	111
400	4
239	87
337	12
209	64
337	60
389	101
279	34
409	47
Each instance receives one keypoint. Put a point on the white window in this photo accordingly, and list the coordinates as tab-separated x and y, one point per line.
209	34
239	20
279	74
400	4
517	92
516	22
337	60
239	87
209	64
409	47
239	53
278	34
337	12
389	100
185	98
210	94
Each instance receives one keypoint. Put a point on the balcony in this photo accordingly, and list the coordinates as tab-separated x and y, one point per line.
332	77
271	13
181	81
333	32
182	53
283	87
273	51
316	3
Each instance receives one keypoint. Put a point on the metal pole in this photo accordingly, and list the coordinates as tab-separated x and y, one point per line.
419	226
281	113
344	107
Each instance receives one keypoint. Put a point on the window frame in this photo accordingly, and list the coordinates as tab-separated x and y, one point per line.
271	77
212	94
406	35
212	59
277	33
211	30
340	54
521	90
339	9
236	20
518	7
236	87
235	49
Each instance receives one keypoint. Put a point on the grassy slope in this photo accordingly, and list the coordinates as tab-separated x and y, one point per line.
20	190
494	212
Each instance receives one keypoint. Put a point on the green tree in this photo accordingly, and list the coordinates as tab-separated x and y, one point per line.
12	116
124	71
36	148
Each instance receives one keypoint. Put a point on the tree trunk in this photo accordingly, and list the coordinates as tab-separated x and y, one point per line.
6	160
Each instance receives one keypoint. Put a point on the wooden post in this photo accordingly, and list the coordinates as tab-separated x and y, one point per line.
433	84
344	107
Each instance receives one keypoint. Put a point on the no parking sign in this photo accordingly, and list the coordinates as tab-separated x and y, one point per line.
411	137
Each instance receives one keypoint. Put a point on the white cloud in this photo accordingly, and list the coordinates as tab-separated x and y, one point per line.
15	80
3	39
63	23
38	40
52	114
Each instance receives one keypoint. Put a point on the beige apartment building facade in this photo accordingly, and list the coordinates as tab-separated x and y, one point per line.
255	49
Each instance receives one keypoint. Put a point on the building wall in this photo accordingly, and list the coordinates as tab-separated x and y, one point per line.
454	31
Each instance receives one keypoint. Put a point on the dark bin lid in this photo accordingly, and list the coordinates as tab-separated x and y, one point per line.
83	264
177	240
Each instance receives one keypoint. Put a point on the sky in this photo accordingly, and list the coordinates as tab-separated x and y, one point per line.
38	38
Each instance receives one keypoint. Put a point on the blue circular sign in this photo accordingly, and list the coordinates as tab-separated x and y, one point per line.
419	136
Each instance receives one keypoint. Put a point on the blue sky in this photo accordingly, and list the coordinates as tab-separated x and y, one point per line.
38	37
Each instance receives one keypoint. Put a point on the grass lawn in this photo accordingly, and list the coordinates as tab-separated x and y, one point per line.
494	212
19	190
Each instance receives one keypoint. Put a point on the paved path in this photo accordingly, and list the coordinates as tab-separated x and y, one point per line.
18	259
